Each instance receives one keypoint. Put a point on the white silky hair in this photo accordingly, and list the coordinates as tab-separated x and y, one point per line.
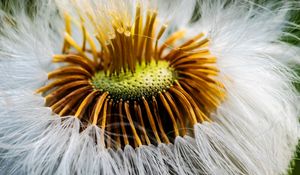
254	131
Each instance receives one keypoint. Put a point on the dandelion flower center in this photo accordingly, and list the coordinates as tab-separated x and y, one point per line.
147	81
137	89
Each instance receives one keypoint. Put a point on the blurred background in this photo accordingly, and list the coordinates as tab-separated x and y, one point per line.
295	18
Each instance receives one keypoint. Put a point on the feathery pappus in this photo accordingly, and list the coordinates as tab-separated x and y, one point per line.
147	87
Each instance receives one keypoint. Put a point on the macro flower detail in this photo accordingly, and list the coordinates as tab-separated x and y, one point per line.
147	87
165	90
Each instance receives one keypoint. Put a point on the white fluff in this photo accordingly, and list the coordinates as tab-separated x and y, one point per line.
255	130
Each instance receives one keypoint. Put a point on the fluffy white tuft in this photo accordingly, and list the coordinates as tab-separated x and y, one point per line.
255	130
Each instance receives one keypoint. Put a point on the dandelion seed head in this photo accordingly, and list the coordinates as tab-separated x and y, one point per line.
132	80
145	87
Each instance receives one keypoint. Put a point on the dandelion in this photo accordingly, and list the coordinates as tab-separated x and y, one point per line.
147	87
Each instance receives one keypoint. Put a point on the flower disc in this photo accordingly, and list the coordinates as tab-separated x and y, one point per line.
147	80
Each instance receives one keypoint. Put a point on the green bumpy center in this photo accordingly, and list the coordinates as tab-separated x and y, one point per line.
148	80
